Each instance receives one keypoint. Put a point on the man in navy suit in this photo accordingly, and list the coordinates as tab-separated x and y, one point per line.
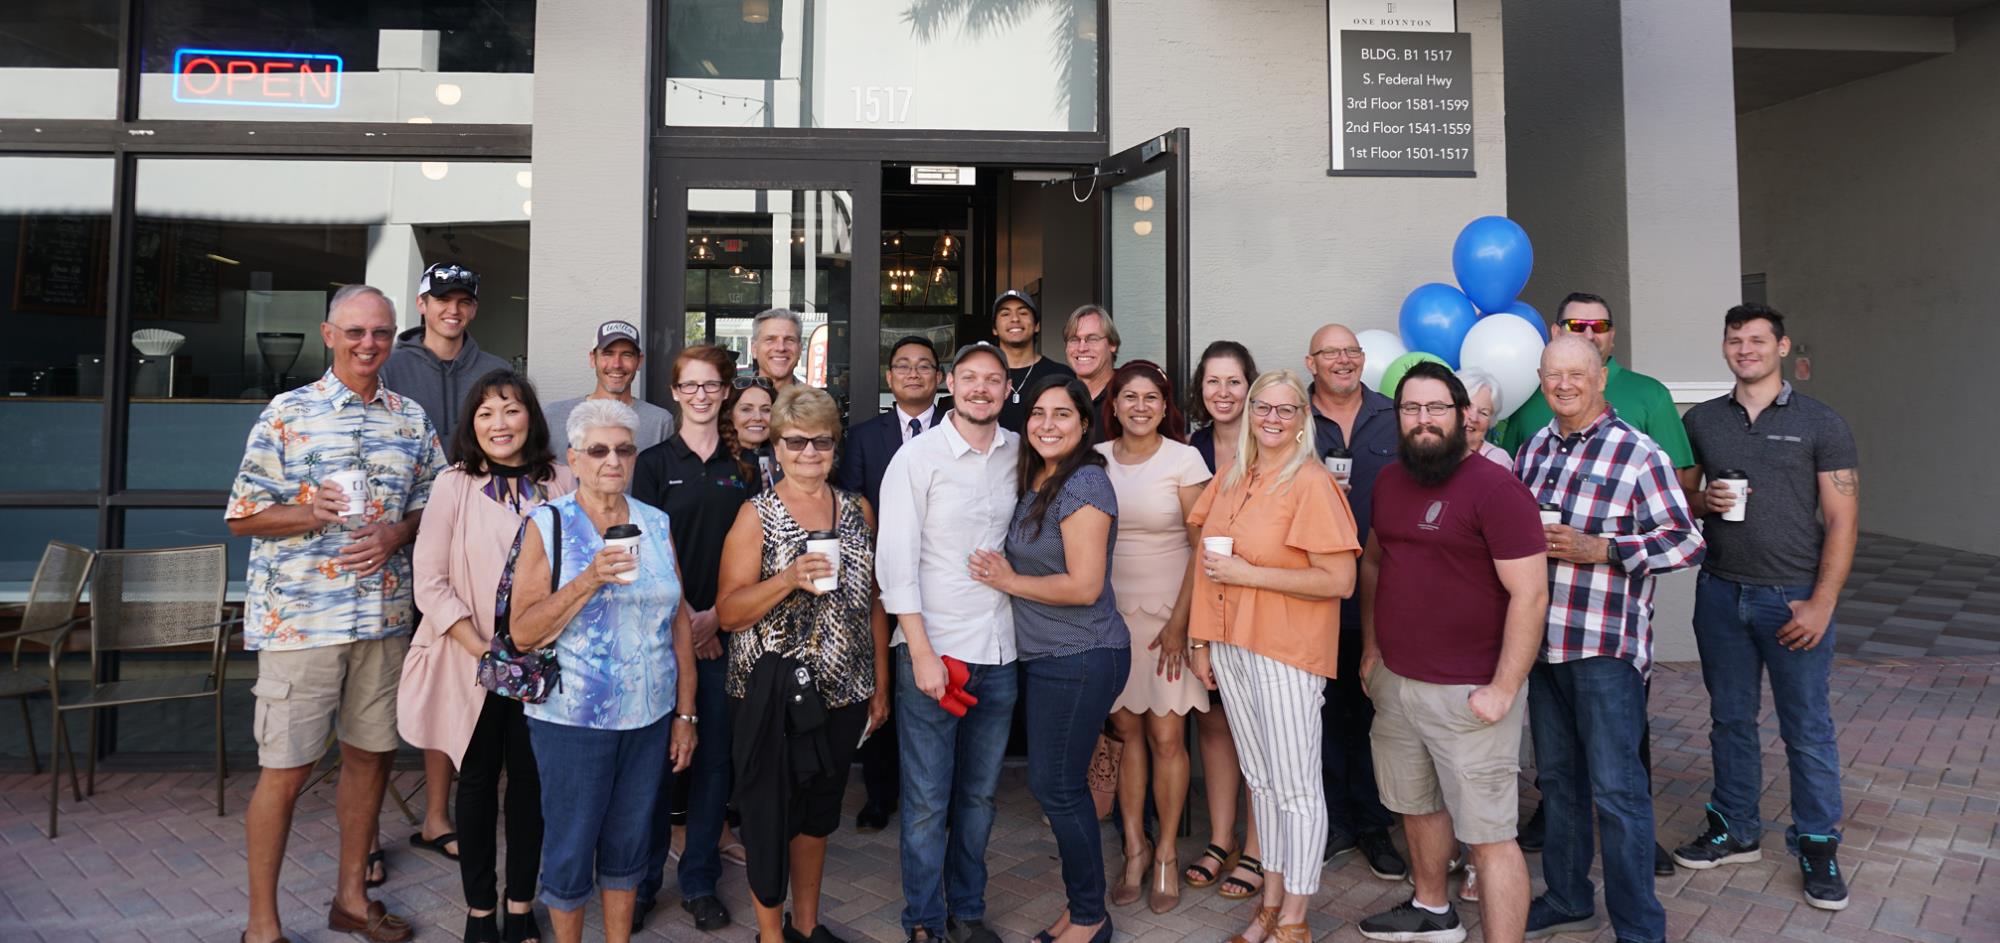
913	380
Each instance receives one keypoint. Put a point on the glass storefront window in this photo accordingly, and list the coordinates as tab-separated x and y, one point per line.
234	262
1139	268
55	228
58	58
152	528
890	64
25	532
749	250
415	61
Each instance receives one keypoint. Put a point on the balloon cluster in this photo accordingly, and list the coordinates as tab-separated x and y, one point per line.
1480	323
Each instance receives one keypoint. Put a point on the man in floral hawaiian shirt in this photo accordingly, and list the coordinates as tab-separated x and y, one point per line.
329	607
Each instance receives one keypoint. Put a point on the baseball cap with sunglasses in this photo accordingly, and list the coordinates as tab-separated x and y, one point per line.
443	278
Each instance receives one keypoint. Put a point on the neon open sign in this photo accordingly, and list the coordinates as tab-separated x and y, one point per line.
267	79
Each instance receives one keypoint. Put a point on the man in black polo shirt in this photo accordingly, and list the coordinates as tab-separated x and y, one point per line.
1352	421
1766	596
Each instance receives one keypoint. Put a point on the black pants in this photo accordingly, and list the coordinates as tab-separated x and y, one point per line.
499	741
882	766
1347	759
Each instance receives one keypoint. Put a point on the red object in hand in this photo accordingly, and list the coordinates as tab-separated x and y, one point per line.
955	700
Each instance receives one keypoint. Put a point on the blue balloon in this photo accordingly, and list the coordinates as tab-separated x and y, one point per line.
1492	259
1435	319
1525	311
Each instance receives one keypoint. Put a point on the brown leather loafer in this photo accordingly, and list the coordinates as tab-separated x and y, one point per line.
379	926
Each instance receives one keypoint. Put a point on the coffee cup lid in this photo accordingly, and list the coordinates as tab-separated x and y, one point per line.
1552	507
822	535
1337	452
621	531
1733	473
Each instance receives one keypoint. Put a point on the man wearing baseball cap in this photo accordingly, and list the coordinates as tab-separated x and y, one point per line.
615	358
1017	325
437	362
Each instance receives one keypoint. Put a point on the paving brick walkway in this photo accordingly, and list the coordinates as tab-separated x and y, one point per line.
148	859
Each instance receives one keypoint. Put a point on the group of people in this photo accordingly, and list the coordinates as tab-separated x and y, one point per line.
1355	593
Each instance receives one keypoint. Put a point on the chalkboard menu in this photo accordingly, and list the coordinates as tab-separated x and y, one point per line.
1404	104
59	265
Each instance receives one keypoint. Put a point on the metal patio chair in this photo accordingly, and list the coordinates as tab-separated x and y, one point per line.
51	605
142	600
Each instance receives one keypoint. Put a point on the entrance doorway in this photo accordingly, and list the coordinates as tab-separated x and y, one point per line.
869	251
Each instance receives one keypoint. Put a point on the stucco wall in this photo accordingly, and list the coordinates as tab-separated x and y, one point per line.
1874	209
1276	246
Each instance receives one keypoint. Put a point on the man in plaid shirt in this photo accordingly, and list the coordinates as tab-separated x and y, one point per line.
1622	520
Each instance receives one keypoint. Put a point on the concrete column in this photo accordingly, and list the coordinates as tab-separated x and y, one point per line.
587	260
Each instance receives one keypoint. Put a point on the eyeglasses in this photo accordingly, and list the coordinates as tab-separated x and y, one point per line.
1583	325
691	387
1577	377
798	443
1335	353
600	450
922	368
744	383
355	335
1432	409
1285	411
1079	341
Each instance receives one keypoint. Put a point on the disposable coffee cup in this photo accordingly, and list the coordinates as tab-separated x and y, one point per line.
826	542
625	537
354	485
1340	463
1738	484
1220	546
1552	514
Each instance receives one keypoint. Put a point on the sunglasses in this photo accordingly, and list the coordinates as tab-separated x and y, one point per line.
798	443
600	450
1583	325
744	383
454	275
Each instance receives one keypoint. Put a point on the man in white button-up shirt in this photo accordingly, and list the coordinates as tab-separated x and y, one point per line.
946	494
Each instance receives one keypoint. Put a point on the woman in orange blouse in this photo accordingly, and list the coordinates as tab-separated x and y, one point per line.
1266	623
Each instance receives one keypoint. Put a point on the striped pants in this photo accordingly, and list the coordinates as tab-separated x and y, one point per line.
1274	716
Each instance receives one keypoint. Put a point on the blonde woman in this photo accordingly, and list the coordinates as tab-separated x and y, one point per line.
1265	619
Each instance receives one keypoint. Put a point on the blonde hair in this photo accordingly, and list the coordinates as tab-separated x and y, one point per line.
802	405
1246	439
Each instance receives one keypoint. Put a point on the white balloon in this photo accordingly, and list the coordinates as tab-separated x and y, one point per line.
1381	348
1510	349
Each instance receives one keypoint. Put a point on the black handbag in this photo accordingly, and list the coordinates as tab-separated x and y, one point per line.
528	677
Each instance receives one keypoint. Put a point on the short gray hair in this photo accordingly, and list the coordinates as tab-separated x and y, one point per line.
772	314
599	414
1476	379
347	293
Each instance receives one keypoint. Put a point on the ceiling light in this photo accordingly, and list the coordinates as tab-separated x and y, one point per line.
527	207
420	119
435	169
449	93
1143	227
525	179
1142	203
756	11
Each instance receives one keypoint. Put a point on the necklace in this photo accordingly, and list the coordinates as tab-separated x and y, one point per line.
1014	389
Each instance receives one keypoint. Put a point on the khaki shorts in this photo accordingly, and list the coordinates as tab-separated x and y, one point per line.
1431	752
302	693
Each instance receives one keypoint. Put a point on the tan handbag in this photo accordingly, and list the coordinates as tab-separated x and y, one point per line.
1105	761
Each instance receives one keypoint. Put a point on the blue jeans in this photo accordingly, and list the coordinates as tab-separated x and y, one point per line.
1588	717
598	791
1736	629
708	794
1067	703
951	767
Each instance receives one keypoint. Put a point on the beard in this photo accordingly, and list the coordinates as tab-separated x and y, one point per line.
1432	461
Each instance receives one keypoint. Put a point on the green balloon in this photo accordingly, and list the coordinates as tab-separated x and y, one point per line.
1402	365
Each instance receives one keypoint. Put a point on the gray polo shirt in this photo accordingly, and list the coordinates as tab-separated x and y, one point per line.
1793	440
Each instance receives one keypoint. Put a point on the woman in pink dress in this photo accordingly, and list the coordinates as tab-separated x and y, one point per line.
1157	478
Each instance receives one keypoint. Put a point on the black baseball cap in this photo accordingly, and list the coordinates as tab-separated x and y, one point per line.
611	332
975	349
443	278
1013	294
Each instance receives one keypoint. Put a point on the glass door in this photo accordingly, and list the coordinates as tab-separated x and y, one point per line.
1143	207
740	237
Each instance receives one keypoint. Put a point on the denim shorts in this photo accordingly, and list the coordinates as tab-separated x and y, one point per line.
598	792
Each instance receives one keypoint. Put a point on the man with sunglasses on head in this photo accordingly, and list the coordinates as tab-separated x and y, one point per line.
615	360
1642	403
437	362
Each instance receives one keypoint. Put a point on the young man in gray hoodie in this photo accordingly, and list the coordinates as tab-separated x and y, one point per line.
437	362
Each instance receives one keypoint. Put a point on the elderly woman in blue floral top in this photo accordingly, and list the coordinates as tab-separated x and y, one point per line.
602	739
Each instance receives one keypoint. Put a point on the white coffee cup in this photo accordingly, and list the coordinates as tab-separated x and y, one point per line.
1220	546
1552	514
826	542
354	485
625	537
1738	484
1340	463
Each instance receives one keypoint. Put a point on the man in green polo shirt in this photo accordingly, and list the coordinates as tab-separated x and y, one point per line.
1640	400
1644	404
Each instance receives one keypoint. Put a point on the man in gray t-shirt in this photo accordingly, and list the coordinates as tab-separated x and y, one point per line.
615	359
1766	595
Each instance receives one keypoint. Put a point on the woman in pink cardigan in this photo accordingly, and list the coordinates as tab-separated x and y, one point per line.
502	471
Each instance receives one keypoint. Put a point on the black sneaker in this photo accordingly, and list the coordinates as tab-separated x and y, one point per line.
708	912
969	931
1532	831
640	909
1382	858
1825	888
1408	922
1716	846
1663	863
1544	921
1339	841
872	818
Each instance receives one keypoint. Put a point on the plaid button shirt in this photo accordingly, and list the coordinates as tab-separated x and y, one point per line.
1611	481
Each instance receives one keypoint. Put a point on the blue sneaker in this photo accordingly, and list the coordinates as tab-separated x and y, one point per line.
1717	846
1826	889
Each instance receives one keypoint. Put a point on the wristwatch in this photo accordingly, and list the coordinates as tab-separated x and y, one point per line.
689	719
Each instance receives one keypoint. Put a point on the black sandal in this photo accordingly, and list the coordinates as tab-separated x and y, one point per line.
520	928
417	840
1232	882
1198	875
375	860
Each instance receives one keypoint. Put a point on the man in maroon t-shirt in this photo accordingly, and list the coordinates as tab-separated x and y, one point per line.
1454	590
